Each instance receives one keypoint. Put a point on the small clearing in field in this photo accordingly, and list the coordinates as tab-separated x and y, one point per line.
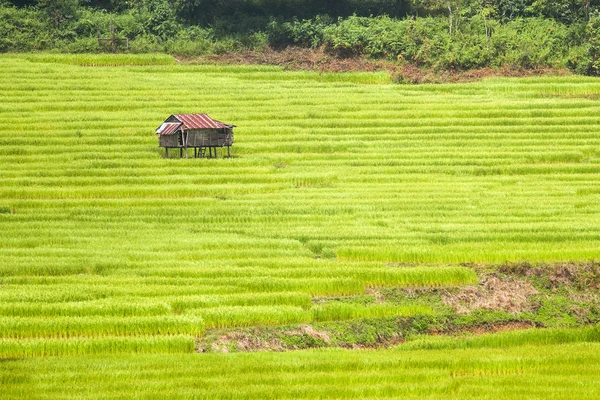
251	340
492	293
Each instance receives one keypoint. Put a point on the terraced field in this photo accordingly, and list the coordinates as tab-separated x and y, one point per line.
339	184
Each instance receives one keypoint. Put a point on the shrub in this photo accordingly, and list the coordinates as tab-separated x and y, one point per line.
145	44
256	41
592	53
80	45
188	48
227	45
23	30
189	42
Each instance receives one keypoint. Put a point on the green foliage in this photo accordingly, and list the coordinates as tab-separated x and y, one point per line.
23	30
305	33
567	11
158	17
59	12
475	34
591	60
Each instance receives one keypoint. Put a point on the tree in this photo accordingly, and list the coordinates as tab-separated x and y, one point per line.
453	7
158	16
509	10
565	11
593	38
59	11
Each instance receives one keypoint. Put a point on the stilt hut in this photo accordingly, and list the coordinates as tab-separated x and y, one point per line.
197	131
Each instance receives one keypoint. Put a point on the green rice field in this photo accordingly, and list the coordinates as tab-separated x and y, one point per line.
115	261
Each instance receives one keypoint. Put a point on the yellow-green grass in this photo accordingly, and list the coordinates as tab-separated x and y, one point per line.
552	336
533	372
342	311
11	348
99	326
339	183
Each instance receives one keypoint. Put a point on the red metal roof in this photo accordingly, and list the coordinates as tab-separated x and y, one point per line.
199	121
168	128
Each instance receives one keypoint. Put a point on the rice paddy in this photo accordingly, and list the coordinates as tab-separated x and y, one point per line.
338	184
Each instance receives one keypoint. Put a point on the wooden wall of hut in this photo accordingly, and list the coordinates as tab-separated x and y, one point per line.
209	137
169	140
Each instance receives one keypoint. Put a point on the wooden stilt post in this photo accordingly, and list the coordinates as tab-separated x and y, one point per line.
228	152
181	152
167	150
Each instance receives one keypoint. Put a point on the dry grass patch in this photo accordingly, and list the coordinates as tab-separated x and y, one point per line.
492	293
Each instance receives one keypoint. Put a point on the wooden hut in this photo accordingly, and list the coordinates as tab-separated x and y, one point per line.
197	131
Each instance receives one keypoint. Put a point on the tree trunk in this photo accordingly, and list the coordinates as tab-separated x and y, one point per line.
450	16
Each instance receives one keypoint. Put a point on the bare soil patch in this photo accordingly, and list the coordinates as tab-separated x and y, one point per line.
242	341
492	293
296	58
252	340
582	276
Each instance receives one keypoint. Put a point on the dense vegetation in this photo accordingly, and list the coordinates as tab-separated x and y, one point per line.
450	34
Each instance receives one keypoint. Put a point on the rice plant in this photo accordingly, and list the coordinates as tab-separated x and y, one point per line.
338	184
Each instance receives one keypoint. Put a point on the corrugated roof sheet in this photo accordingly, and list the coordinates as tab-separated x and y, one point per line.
168	128
199	121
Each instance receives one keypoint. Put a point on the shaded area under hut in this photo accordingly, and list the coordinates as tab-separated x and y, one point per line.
196	131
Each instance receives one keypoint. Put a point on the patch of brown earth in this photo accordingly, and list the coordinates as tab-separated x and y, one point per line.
412	74
309	331
582	276
250	341
297	58
242	341
379	298
492	293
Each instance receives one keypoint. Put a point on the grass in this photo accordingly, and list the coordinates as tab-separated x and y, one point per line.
11	348
545	371
94	326
342	311
101	60
555	336
338	184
